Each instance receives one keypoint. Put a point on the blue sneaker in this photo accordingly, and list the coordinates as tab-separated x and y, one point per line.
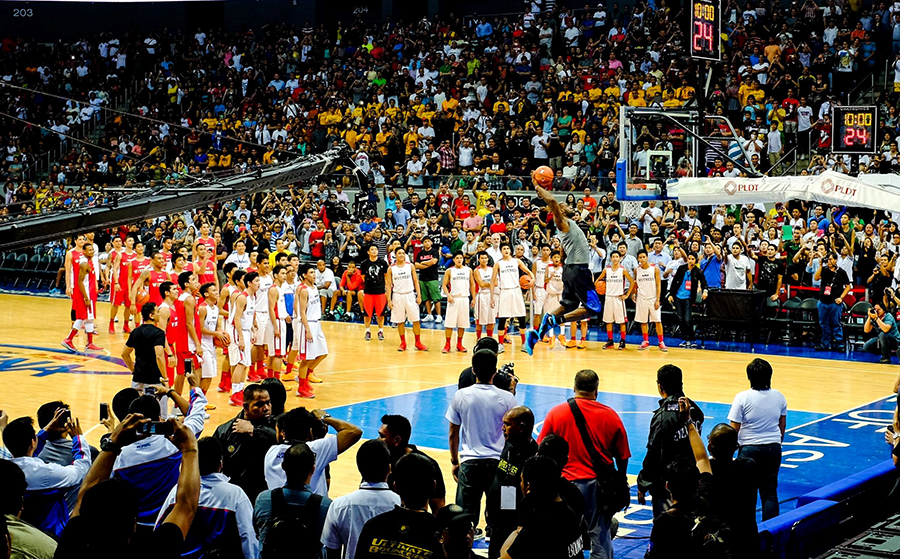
531	339
547	323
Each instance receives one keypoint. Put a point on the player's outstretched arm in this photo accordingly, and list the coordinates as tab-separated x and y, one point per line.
554	208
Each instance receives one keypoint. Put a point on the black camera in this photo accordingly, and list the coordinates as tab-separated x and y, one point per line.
505	378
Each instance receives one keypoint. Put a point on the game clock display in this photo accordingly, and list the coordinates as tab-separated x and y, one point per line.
853	129
705	29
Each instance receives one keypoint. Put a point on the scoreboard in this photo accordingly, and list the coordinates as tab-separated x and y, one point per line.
853	129
706	29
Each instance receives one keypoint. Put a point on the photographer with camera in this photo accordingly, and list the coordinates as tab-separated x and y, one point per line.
887	338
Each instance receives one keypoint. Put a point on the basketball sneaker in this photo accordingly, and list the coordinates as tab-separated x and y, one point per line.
289	377
93	347
446	348
531	339
581	344
421	347
622	344
569	343
112	327
402	346
305	390
237	399
460	348
127	328
368	336
68	345
380	336
609	344
663	348
311	377
644	345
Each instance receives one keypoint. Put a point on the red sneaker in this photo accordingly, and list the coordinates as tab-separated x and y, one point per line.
68	345
93	347
237	399
305	390
421	347
127	328
402	346
112	327
225	382
256	377
460	348
446	348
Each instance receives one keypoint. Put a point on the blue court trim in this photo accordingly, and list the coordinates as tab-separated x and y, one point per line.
43	368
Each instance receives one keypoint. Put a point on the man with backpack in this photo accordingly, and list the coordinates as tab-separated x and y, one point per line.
289	519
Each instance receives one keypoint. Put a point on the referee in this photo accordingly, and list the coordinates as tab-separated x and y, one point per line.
145	351
579	298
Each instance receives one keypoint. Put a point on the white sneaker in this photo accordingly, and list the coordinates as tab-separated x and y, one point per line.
438	319
501	350
428	318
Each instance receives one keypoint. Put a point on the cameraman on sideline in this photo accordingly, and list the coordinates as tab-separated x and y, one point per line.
887	338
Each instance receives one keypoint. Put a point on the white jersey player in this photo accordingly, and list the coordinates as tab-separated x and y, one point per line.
511	302
647	299
276	330
261	309
485	300
309	338
539	291
616	277
458	285
404	298
210	331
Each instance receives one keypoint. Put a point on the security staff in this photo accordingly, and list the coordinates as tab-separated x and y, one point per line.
668	438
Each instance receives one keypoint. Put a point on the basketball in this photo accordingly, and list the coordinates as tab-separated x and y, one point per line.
543	176
526	282
142	298
600	286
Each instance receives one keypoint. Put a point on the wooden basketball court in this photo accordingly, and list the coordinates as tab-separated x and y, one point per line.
365	379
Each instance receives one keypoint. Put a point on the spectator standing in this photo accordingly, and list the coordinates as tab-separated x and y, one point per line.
272	514
833	287
476	432
610	439
45	504
25	539
759	415
348	514
58	445
395	431
506	494
667	441
246	439
224	514
408	526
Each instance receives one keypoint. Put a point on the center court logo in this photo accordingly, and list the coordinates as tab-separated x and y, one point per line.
42	361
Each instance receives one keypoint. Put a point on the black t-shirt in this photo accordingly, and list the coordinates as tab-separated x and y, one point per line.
553	533
165	542
733	498
430	273
769	270
144	339
671	534
373	274
832	284
400	533
439	490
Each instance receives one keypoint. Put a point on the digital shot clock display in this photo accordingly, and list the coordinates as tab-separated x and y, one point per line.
853	129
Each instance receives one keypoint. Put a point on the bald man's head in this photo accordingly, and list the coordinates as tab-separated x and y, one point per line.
723	441
518	423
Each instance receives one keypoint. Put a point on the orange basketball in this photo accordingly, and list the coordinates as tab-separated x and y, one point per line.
600	286
526	282
543	176
142	298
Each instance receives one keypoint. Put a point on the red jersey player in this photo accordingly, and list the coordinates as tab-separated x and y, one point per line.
84	300
167	321
203	266
189	351
156	276
120	289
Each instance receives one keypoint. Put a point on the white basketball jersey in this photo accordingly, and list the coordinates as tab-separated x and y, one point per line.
646	281
212	320
261	302
247	316
615	282
554	279
508	277
485	275
540	273
313	305
402	278
280	310
459	281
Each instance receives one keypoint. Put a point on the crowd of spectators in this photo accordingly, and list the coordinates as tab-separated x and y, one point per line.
258	485
479	99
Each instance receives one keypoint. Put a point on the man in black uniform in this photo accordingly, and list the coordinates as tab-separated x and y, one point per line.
426	263
668	439
395	431
409	530
506	493
245	441
373	299
145	351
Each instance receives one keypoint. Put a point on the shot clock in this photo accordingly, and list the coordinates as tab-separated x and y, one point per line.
706	29
853	129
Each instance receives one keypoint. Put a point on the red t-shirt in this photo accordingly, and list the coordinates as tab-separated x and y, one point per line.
604	426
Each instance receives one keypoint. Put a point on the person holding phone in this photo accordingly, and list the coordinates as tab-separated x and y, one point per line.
888	336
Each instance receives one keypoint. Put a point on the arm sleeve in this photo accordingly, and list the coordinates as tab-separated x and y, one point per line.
42	440
736	414
453	413
244	513
194	418
331	535
56	476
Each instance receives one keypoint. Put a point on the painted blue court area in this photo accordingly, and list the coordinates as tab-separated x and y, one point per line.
818	449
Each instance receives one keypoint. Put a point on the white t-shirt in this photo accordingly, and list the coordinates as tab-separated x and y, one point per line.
326	452
479	411
650	217
758	412
736	272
